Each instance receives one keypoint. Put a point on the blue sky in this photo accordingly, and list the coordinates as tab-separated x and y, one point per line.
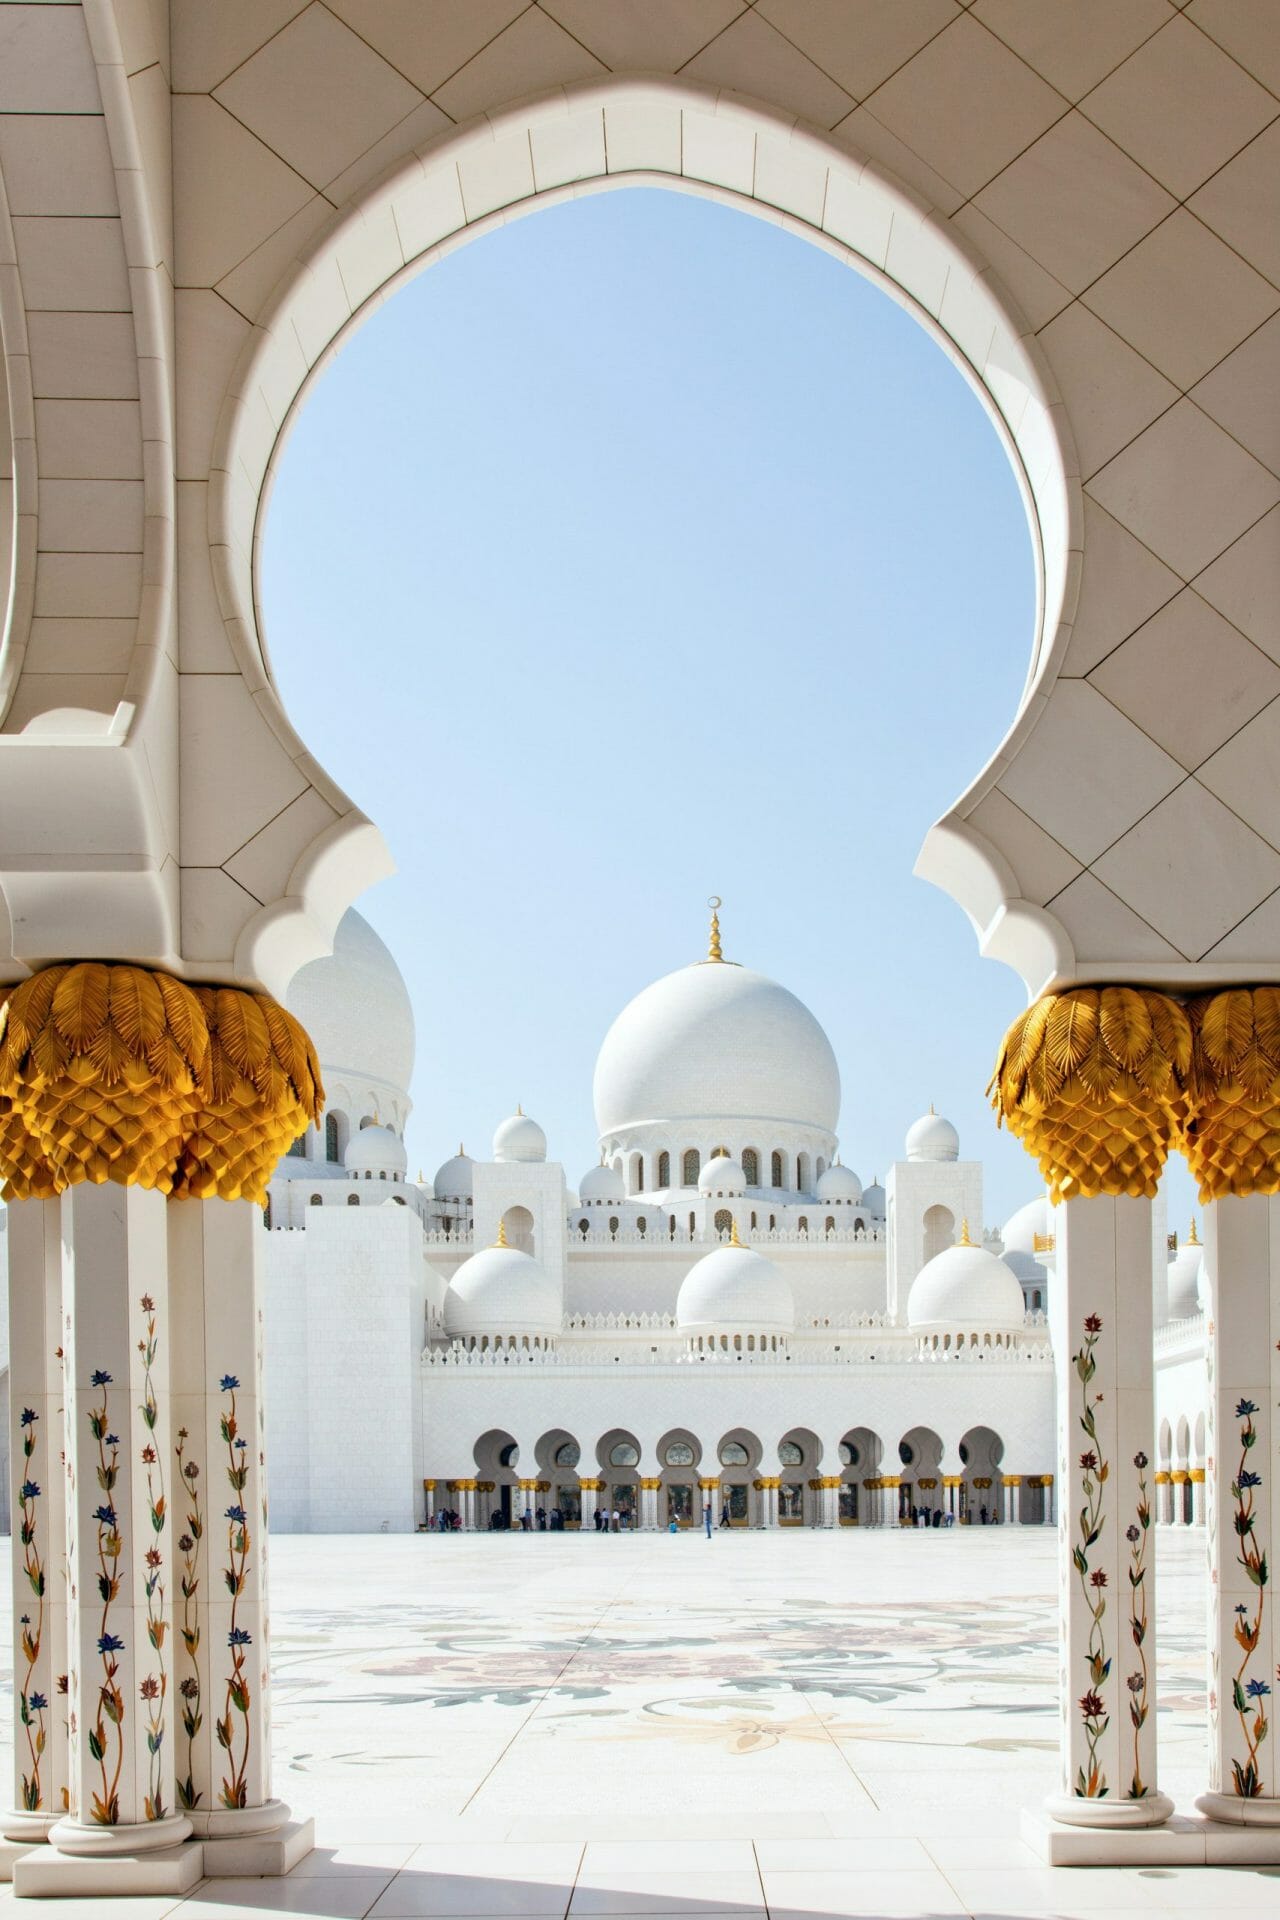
636	552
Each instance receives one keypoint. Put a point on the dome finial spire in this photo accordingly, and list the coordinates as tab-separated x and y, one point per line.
1193	1238
501	1240
733	1234
964	1240
713	942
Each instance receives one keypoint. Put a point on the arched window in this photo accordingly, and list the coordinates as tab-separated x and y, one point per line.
790	1455
569	1454
332	1146
679	1454
803	1223
831	1223
693	1224
734	1454
664	1169
802	1173
642	1225
613	1223
691	1167
315	1200
777	1169
353	1199
367	1120
751	1166
939	1231
639	1169
298	1148
624	1455
584	1226
724	1220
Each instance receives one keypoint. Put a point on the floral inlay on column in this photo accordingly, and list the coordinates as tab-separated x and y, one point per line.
1091	1782
1248	1694
1138	1681
32	1706
154	1687
189	1688
234	1784
106	1805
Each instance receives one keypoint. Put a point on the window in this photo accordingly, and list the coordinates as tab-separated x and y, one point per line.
802	1172
691	1167
624	1455
664	1169
724	1220
831	1223
639	1170
569	1454
906	1455
332	1146
803	1223
751	1166
613	1223
848	1454
642	1226
315	1201
733	1454
679	1454
353	1199
266	1214
777	1170
509	1455
790	1454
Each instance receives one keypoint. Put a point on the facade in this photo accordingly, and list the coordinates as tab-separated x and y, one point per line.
722	1310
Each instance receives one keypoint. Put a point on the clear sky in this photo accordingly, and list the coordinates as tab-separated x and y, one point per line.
636	552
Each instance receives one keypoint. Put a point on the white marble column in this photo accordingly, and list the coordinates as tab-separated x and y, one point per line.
217	1472
38	1505
648	1508
120	1552
587	1492
1242	1276
429	1491
1197	1496
1048	1517
1101	1304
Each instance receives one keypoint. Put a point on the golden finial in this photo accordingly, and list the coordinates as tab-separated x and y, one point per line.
1193	1238
964	1240
519	1111
501	1240
713	944
932	1111
462	1152
733	1234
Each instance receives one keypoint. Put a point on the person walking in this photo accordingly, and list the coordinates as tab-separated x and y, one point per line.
707	1516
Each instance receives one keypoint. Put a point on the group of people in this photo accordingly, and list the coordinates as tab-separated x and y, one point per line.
935	1517
616	1521
448	1520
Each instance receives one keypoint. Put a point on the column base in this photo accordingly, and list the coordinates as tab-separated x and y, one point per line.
11	1851
28	1829
72	1836
239	1823
1231	1810
260	1856
1185	1840
49	1873
1104	1816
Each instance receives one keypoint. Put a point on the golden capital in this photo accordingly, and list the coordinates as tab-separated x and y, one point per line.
117	1072
1232	1134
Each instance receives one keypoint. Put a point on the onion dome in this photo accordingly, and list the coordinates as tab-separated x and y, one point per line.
376	1150
932	1138
839	1183
600	1185
455	1180
501	1291
1186	1278
723	1177
519	1138
1022	1229
735	1289
965	1289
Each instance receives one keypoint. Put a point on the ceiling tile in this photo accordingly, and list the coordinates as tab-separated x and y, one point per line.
1086	773
1121	585
1180	107
426	40
1242	203
1041	867
1188	678
658	37
1245	774
318	96
929	104
1247	29
753	57
1100	927
230	192
531	54
1145	488
1075	46
1182	298
872	140
1111	392
1192	869
208	43
1244	584
1037	294
425	121
859	42
1256	939
1075	202
1243	394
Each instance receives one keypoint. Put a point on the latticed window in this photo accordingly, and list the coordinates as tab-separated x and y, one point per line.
751	1166
692	1166
332	1148
777	1170
724	1220
664	1169
639	1186
298	1148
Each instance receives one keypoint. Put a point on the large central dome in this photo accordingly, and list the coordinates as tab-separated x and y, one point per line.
716	1042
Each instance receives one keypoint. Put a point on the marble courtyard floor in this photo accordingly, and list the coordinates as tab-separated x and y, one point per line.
785	1724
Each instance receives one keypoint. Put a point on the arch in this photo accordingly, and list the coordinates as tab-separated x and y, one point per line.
517	1224
336	1133
316	1200
551	148
802	1173
664	1169
679	1457
496	1457
723	1220
353	1199
618	1454
799	1457
939	1226
738	1455
1183	1442
750	1164
690	1167
559	1457
778	1169
981	1457
919	1459
861	1452
1164	1446
635	1173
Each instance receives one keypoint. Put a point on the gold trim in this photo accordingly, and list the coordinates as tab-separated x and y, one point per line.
1197	1476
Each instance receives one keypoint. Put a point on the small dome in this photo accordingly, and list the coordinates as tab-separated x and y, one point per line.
964	1288
735	1289
601	1183
721	1175
376	1150
456	1178
519	1138
1186	1278
356	1008
1021	1230
932	1138
873	1198
839	1183
501	1291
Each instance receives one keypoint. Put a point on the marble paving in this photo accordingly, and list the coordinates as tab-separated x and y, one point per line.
785	1724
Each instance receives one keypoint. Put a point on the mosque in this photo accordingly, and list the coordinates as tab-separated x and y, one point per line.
721	1311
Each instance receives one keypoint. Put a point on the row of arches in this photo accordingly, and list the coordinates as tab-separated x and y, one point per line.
688	1162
